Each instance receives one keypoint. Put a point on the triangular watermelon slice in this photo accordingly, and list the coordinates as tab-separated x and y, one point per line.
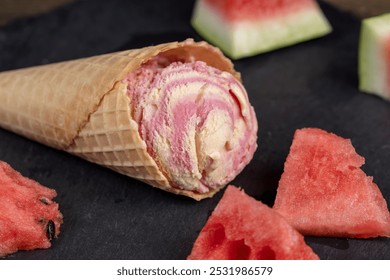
323	191
374	56
241	227
29	218
243	28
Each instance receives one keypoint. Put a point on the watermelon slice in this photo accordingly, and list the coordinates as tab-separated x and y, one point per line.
324	192
374	56
244	28
29	219
242	228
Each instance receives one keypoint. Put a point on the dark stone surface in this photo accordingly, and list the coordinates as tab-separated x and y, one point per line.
109	216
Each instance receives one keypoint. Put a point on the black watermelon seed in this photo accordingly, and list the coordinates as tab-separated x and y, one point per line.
50	230
44	200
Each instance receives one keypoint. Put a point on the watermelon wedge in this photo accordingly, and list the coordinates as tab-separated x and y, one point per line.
374	56
244	28
242	228
29	219
323	191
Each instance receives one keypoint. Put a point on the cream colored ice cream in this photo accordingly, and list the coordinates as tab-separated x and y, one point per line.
196	121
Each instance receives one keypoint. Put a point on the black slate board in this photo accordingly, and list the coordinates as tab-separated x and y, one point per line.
109	216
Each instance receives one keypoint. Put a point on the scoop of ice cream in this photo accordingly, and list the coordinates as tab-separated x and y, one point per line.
196	121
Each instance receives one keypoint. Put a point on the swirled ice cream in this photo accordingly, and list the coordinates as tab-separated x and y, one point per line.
196	120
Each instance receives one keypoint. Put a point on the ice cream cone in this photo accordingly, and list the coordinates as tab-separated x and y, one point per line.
82	107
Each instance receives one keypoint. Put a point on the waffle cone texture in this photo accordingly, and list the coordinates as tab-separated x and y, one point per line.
82	107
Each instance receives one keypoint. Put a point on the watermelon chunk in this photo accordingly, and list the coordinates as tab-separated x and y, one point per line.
244	28
29	219
242	228
323	191
374	56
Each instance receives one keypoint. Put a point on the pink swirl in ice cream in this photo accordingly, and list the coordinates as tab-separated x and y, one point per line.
196	121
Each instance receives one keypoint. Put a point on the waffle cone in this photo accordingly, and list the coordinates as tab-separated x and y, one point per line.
82	107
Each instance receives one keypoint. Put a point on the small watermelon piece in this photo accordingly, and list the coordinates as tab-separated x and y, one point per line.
241	227
29	219
374	56
244	28
323	191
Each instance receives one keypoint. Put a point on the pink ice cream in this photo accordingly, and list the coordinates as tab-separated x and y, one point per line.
196	121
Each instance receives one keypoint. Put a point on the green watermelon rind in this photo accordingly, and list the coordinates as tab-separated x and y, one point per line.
371	64
236	44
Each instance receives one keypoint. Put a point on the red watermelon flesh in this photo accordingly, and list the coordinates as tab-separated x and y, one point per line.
29	219
249	10
241	227
323	191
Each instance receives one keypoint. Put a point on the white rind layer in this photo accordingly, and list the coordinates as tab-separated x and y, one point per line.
373	64
245	38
